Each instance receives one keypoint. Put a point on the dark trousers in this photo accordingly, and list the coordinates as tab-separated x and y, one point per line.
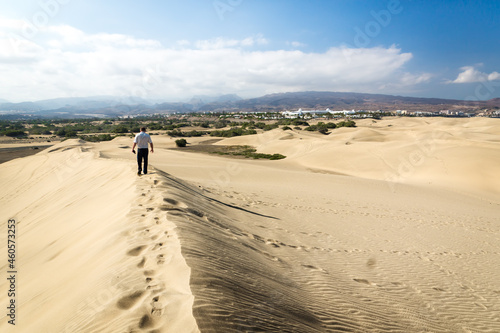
142	153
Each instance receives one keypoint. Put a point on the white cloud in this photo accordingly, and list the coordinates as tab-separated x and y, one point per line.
409	79
470	74
223	43
494	76
296	44
64	61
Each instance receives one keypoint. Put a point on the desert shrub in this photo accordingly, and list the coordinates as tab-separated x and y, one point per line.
176	133
61	132
286	128
181	142
260	125
346	123
320	127
120	129
277	157
96	138
194	133
299	122
70	134
249	152
154	126
270	127
297	128
221	124
285	122
323	130
232	132
14	133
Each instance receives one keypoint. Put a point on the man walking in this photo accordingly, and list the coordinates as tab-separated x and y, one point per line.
141	141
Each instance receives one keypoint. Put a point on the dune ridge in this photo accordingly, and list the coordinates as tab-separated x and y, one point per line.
95	253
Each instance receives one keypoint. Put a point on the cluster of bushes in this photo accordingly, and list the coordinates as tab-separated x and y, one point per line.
12	129
237	131
97	138
293	122
180	134
346	123
37	130
249	152
323	128
14	133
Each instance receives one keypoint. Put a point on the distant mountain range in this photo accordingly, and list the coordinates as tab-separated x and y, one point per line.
120	106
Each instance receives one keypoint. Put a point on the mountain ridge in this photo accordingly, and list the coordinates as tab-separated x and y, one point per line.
121	106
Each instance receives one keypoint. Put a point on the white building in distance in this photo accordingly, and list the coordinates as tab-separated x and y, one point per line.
300	113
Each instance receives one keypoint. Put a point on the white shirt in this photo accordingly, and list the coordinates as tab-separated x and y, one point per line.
142	139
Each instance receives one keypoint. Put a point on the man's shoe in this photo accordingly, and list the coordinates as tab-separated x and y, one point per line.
139	173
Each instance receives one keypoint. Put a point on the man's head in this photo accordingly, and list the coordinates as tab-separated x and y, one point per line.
143	129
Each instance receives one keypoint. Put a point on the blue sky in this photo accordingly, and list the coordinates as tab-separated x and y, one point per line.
172	50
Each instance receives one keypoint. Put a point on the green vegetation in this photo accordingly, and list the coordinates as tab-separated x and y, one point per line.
97	138
14	133
248	152
323	128
183	125
181	142
346	123
294	122
180	134
237	131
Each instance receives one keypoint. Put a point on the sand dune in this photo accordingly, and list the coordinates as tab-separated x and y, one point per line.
95	253
323	241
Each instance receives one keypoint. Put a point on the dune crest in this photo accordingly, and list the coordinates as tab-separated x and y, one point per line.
95	252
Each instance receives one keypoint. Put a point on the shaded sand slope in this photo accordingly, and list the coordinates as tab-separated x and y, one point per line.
94	254
329	253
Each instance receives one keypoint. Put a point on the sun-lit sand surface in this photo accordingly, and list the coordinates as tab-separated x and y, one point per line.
393	226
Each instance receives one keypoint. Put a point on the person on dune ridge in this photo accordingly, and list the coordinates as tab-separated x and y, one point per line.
141	140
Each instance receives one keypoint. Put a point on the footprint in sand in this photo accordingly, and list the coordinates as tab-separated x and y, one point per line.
161	259
158	308
146	322
364	281
129	301
149	273
157	246
142	263
136	251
